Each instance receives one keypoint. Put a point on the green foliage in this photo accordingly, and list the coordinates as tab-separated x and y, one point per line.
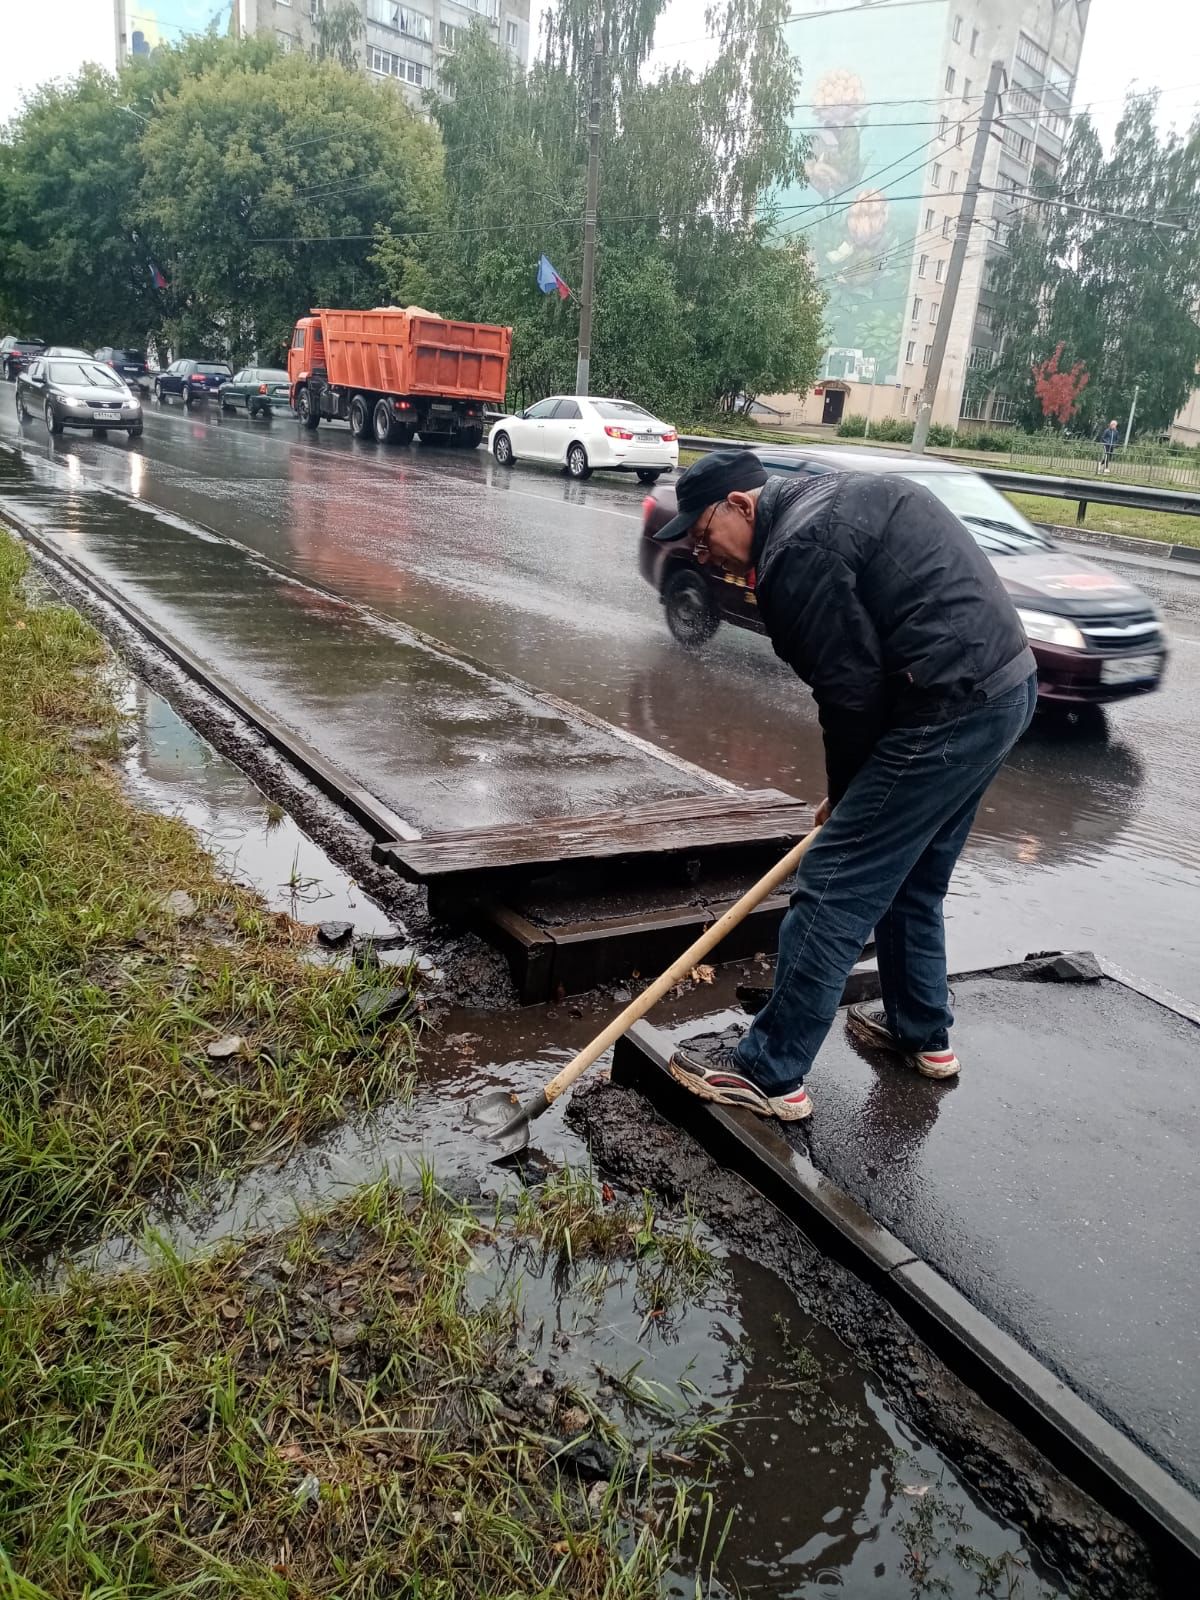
1119	295
694	311
339	29
290	154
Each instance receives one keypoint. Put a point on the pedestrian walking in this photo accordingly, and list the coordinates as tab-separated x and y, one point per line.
881	602
1109	440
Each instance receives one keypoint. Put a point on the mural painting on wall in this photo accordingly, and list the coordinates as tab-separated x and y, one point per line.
870	106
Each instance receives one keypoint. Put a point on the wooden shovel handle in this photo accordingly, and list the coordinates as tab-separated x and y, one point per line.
708	940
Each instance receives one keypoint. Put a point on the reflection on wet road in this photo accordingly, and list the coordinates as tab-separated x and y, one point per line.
1086	840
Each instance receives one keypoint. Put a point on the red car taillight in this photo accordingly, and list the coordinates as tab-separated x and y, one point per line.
617	433
669	438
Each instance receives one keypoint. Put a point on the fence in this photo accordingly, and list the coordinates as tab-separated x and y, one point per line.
1171	470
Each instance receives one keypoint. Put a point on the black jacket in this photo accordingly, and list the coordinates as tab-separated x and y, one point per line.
879	598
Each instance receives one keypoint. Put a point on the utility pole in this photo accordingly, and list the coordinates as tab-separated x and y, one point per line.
583	365
958	255
1137	389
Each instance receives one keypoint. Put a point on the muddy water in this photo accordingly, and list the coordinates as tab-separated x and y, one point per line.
824	1490
168	767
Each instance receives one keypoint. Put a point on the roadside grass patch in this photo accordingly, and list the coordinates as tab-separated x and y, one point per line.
318	1413
123	956
1168	526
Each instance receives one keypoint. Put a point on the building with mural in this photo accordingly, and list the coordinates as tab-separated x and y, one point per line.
399	43
891	99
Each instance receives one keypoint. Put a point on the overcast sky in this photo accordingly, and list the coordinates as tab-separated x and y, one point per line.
1152	43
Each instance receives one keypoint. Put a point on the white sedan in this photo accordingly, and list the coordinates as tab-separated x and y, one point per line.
583	434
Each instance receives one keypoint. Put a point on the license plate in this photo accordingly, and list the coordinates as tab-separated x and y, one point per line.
648	438
1130	669
108	416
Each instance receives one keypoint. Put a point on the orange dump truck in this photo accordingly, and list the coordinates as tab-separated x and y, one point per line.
398	372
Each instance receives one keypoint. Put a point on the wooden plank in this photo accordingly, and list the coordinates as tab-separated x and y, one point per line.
663	827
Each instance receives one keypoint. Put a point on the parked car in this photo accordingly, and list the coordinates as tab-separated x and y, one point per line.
1095	636
192	380
258	389
131	364
70	350
583	433
16	353
77	394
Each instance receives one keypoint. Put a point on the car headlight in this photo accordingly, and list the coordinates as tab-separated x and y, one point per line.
134	405
70	400
1049	629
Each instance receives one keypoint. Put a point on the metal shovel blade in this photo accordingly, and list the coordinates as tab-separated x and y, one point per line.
505	1121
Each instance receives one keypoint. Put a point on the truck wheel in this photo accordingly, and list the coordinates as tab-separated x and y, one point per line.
305	409
502	450
384	423
692	614
360	417
471	438
577	462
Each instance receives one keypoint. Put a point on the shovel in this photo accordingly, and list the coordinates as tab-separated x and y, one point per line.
511	1128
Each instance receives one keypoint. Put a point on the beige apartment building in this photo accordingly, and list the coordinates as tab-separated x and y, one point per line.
891	101
403	44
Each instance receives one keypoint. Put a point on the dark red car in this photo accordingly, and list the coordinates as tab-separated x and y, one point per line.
16	354
1095	636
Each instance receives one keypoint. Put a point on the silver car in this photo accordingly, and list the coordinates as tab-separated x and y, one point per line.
77	394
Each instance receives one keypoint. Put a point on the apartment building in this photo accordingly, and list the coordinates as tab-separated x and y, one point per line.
403	44
891	100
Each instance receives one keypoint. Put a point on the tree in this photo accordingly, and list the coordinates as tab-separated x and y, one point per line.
693	307
339	29
1109	266
1059	391
265	186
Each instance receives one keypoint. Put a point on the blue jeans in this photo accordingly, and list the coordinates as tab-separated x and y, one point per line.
883	861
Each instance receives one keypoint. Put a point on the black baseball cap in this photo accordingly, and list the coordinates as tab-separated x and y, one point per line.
707	482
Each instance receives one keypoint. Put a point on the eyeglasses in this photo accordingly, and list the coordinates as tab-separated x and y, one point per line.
700	536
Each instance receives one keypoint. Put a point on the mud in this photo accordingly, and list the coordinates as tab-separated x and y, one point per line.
1095	1551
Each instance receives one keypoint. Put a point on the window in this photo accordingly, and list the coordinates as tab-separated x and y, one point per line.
916	310
926	356
958	137
974	39
941	267
935	174
943	126
929	221
933	312
401	19
981	356
910	352
1060	77
449	37
949	80
284	41
1030	53
511	35
956	31
567	411
393	66
543	409
952	181
966	88
904	399
921	265
946	221
983	317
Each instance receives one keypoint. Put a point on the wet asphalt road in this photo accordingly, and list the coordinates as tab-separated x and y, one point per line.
1087	840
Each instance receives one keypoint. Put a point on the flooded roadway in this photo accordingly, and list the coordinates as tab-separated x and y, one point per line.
1086	840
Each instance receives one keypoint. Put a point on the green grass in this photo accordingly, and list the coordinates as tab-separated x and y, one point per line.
108	1000
318	1414
1162	525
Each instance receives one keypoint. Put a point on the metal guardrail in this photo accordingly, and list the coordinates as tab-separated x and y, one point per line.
1139	497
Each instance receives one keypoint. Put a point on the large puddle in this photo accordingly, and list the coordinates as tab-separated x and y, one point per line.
818	1488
